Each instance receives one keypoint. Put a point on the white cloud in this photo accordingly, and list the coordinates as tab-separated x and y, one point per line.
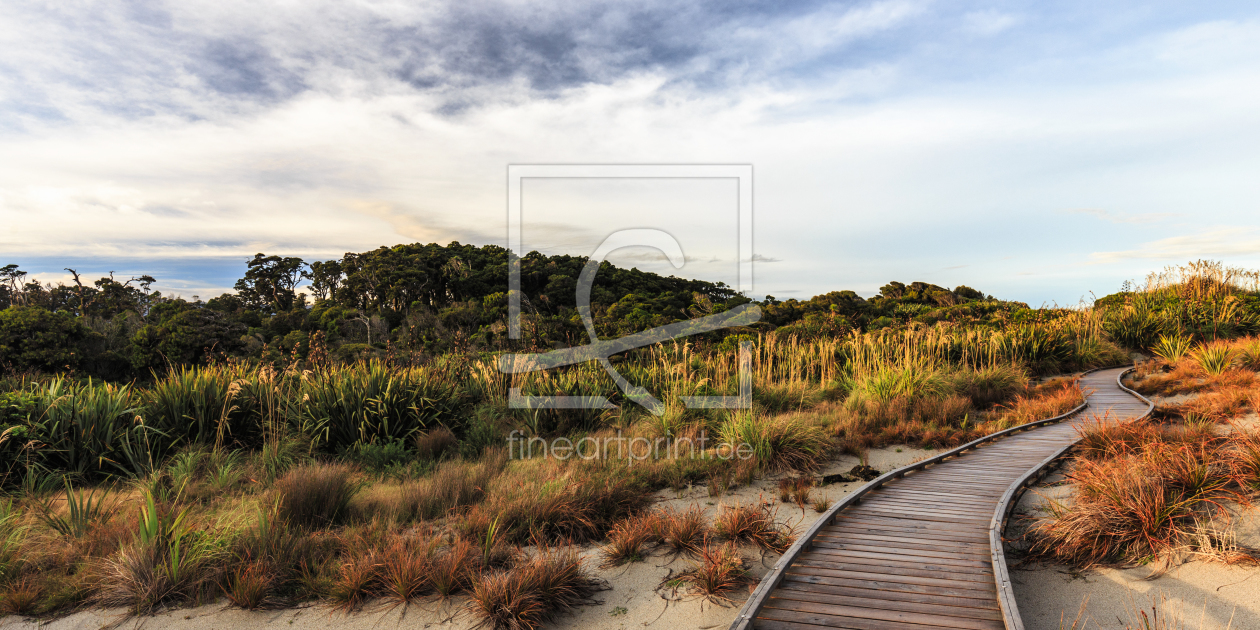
1231	243
883	140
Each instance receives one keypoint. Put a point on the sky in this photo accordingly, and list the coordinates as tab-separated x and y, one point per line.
1043	152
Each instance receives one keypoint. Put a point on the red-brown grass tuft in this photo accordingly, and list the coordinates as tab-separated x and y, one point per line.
250	585
454	567
559	578
403	571
626	540
20	598
533	592
752	524
1140	494
503	601
682	531
720	570
356	582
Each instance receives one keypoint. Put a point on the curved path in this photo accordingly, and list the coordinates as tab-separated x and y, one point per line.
920	547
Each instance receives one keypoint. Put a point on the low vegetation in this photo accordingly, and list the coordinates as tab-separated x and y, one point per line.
308	465
1165	487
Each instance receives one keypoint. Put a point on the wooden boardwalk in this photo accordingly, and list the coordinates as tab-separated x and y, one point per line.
920	547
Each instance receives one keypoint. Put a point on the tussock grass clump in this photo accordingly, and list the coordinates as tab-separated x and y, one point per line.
20	597
752	524
528	595
1141	492
455	567
987	386
553	502
720	569
626	540
357	581
455	485
314	495
249	585
404	571
171	561
435	443
271	560
786	442
504	601
682	531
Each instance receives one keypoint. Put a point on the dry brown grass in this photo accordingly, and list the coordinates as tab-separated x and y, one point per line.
752	524
626	540
1141	492
720	569
526	596
314	495
681	531
946	422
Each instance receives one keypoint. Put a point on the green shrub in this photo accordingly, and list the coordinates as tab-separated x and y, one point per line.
380	456
369	403
1214	358
32	338
1173	348
93	429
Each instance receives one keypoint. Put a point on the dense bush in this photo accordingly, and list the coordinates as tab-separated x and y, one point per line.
32	338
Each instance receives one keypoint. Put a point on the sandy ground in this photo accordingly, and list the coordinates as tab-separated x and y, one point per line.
636	597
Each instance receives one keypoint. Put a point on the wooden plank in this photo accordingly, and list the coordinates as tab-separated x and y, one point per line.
891	555
894	491
874	574
943	506
905	551
866	601
903	543
972	539
821	560
884	617
883	594
920	514
884	585
957	530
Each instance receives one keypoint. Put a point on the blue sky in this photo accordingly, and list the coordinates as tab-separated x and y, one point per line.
1036	151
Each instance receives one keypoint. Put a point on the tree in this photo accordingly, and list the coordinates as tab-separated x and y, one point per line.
11	286
270	281
325	277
